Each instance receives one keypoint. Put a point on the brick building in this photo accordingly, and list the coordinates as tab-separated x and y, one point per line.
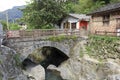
106	20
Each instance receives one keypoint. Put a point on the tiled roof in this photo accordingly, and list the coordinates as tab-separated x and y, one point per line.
109	7
80	16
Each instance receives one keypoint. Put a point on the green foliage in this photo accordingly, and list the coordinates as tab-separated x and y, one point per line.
81	53
61	38
102	47
57	38
47	26
43	13
4	25
108	1
1	76
14	26
81	7
0	61
105	39
114	1
17	59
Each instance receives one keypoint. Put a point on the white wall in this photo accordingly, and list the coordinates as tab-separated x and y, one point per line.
71	20
77	25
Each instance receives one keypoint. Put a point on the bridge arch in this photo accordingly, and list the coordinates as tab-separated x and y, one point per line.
46	56
40	44
55	58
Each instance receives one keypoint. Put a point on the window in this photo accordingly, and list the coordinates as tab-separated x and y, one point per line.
118	23
73	25
66	25
106	19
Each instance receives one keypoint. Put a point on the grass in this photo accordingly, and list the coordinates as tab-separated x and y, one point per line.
61	38
17	59
101	46
106	39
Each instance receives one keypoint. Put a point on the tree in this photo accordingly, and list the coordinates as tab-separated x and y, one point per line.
108	1
41	13
81	7
13	26
4	24
114	1
46	13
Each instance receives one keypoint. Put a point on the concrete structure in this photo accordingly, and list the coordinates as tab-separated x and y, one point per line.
75	21
106	20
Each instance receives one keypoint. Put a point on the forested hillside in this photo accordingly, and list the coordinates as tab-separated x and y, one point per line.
13	13
86	6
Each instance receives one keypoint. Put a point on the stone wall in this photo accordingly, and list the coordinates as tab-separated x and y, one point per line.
86	67
96	23
10	67
27	47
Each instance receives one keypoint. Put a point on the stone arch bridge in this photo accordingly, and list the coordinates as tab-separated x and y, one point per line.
27	46
26	42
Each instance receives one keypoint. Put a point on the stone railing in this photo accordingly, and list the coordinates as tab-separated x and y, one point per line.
110	33
36	33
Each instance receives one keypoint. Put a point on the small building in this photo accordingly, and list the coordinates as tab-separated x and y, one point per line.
106	20
75	21
23	26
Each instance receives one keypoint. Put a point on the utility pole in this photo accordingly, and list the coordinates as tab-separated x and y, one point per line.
7	20
1	34
13	21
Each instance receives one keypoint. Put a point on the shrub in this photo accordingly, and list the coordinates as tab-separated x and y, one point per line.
17	59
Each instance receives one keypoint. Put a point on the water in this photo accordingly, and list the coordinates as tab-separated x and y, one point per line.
38	72
56	57
52	75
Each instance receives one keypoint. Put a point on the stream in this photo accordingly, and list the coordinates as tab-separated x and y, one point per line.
56	57
35	71
50	75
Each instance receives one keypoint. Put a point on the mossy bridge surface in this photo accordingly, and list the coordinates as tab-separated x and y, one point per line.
25	42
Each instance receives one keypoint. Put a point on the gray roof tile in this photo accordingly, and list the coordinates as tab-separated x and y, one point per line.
108	7
80	16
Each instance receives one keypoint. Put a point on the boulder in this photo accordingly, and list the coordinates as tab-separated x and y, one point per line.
114	77
10	68
35	72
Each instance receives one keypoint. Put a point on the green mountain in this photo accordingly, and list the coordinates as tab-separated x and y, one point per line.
13	14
